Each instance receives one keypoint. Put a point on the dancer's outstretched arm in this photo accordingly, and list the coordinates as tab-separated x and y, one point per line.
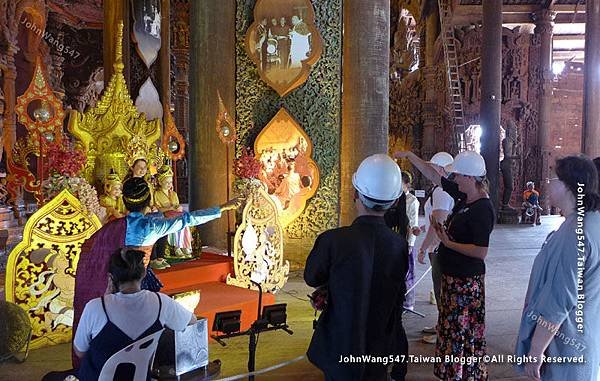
425	168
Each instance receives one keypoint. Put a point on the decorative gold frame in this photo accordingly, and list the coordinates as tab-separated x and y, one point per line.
39	89
44	286
225	124
261	213
262	9
171	133
282	128
38	133
104	131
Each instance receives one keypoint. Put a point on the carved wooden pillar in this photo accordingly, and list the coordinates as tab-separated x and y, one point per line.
544	22
430	119
115	11
491	92
430	112
165	58
212	50
591	97
365	103
180	48
9	133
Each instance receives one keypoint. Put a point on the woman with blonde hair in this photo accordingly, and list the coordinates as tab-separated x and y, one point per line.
464	246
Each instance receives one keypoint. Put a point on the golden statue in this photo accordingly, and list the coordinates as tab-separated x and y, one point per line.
112	199
165	197
167	202
104	132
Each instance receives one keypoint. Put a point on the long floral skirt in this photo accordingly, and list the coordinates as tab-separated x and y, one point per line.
461	329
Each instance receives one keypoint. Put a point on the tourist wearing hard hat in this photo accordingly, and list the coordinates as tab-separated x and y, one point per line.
464	246
363	266
438	205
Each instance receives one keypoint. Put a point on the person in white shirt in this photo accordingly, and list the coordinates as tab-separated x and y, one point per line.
437	206
412	212
124	315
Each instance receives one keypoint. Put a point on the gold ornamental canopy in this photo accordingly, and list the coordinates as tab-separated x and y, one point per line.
104	132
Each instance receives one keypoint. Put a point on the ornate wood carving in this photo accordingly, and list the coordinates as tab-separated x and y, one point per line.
40	274
258	246
83	67
9	26
256	104
55	30
521	89
180	49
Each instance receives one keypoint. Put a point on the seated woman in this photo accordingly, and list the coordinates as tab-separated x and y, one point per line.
125	314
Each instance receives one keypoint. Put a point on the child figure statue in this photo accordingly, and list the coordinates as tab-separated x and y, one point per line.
167	202
112	199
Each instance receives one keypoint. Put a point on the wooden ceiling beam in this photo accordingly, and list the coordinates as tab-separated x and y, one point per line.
460	18
569	37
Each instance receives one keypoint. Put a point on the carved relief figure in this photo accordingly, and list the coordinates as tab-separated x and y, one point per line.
508	146
58	287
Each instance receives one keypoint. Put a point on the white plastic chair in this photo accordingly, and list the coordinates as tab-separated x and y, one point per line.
140	354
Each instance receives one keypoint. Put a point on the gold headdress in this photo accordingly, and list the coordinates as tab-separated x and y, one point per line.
164	172
112	178
136	149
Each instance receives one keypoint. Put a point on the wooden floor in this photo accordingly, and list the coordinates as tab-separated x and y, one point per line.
509	261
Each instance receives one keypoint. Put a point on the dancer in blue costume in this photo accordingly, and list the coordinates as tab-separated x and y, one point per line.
138	230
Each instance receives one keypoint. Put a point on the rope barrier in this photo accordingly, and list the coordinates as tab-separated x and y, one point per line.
261	371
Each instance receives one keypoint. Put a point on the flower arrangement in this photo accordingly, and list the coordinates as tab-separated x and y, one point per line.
246	169
65	163
247	166
65	160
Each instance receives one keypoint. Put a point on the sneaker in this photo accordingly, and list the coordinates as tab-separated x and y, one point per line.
429	339
429	330
432	298
538	223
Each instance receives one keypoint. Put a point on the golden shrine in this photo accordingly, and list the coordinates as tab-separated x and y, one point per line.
105	131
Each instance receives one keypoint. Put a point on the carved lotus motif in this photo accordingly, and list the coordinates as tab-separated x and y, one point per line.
284	151
284	42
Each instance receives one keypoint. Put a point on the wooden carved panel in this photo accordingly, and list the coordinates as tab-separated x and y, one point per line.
40	274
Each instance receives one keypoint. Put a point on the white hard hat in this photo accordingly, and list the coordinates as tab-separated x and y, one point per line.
468	163
379	178
442	159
